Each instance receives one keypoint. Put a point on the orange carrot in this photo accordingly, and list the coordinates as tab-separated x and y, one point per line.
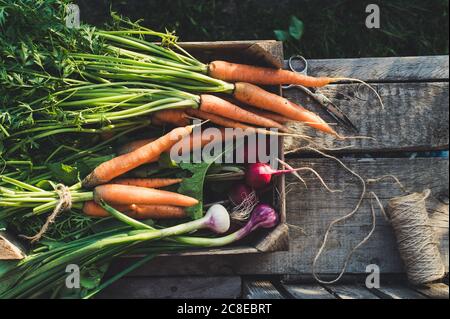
233	72
126	162
217	119
270	115
157	212
238	125
123	194
93	209
174	117
257	97
214	105
199	139
131	146
147	182
186	143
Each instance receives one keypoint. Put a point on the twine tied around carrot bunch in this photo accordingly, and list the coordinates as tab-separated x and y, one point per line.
64	204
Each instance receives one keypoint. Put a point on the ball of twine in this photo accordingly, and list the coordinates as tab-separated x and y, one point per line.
415	238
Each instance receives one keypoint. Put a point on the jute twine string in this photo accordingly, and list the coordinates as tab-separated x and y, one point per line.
415	238
64	204
339	220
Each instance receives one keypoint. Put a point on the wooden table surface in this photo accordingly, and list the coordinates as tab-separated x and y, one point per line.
415	91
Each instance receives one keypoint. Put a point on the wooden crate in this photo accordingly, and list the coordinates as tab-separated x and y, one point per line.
264	53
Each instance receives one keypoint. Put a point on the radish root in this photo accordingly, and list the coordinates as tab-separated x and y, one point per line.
242	212
315	173
396	180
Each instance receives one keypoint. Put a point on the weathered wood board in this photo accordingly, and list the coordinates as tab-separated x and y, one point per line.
260	289
434	291
310	211
175	288
9	248
415	117
351	292
390	69
310	291
397	291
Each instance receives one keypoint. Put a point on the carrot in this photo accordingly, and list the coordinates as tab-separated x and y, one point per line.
147	182
124	194
237	125
257	97
199	139
186	143
233	72
131	146
214	105
217	119
270	115
93	209
174	117
126	162
157	212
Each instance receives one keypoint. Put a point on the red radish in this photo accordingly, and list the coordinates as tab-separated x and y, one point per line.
259	175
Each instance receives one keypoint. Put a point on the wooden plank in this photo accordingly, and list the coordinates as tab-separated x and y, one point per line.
434	291
260	289
174	288
351	292
420	68
10	249
415	117
309	212
311	291
397	291
267	53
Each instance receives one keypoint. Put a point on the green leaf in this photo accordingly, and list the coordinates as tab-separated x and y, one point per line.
281	35
89	282
64	173
44	184
193	186
296	28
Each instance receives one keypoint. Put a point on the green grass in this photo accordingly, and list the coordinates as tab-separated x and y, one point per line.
332	28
